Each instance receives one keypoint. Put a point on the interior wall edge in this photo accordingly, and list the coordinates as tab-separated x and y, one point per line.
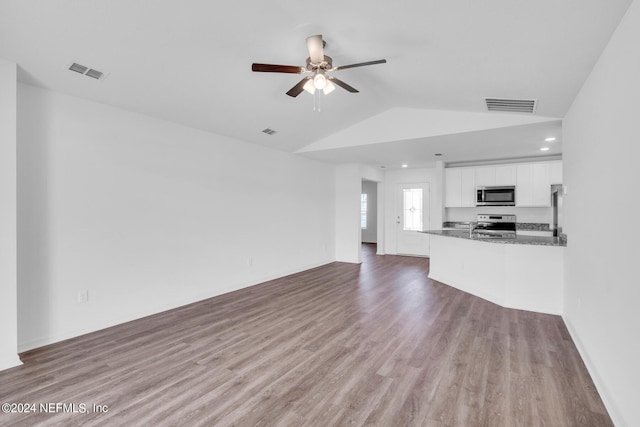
605	395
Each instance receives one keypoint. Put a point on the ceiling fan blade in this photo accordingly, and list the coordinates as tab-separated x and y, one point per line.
360	64
272	68
342	84
298	88
316	49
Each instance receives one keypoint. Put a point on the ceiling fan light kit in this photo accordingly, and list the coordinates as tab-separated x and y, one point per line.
319	65
311	86
319	80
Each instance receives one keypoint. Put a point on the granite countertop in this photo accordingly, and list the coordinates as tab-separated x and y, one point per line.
518	240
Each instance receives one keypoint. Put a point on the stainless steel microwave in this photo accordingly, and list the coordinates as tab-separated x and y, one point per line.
496	196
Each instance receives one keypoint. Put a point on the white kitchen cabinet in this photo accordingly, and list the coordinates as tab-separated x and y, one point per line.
485	176
468	187
556	172
505	175
532	180
533	185
460	187
452	193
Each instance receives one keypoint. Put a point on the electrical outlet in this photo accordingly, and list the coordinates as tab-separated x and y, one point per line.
83	296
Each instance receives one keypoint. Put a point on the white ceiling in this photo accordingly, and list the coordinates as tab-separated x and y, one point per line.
190	62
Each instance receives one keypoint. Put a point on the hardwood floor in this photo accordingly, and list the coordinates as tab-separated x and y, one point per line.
371	344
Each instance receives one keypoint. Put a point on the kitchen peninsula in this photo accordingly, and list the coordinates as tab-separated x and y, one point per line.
523	272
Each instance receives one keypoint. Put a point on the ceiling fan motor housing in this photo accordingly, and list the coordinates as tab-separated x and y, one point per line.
326	64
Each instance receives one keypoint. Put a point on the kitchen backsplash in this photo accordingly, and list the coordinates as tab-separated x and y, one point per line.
533	226
523	215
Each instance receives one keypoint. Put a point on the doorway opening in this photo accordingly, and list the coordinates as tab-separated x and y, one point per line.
368	251
369	216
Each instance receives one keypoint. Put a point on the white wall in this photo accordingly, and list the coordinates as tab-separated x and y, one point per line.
148	215
349	179
404	176
348	189
8	224
370	234
601	153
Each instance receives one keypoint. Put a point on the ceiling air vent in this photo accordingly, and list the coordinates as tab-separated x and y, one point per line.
94	73
89	72
268	131
78	68
511	105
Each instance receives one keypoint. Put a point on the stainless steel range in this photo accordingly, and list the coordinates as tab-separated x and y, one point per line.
494	226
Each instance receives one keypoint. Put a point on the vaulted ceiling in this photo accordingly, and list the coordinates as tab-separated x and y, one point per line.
190	62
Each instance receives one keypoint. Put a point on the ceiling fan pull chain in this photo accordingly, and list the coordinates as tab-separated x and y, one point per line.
316	101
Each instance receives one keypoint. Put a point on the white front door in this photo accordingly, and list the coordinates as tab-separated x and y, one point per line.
412	216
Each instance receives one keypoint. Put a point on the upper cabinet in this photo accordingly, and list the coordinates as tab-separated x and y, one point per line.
532	180
452	188
495	175
468	191
556	172
485	176
533	185
505	175
460	187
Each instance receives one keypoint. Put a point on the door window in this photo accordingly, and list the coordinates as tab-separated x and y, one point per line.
363	210
412	209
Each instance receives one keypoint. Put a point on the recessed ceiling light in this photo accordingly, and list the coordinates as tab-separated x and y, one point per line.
550	139
404	165
544	149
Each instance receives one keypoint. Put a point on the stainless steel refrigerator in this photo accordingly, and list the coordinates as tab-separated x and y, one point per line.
556	206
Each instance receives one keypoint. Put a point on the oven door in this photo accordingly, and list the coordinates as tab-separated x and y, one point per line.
490	229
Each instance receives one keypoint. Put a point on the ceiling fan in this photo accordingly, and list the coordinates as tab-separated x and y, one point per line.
319	65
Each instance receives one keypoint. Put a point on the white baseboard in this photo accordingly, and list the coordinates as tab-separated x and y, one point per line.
11	362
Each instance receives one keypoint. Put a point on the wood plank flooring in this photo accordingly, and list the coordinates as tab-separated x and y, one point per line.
374	344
